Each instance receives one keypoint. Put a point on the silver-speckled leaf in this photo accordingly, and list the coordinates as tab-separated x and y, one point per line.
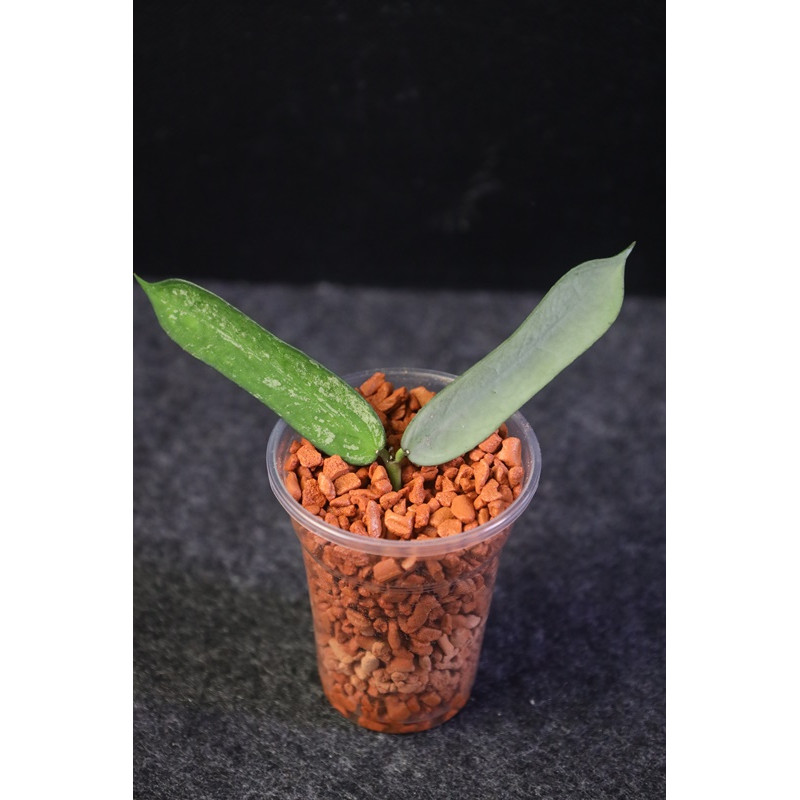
316	403
573	315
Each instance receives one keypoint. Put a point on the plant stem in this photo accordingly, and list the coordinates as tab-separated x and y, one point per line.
392	464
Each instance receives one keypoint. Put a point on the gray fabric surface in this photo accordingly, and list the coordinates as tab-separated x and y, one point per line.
569	698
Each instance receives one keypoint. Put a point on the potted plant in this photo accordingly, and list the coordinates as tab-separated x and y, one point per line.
401	484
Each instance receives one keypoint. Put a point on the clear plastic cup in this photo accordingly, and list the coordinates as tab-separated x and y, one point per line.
399	624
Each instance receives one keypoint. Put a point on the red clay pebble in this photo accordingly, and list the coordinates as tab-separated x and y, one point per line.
491	443
511	452
334	467
309	456
399	524
373	520
462	508
386	569
292	486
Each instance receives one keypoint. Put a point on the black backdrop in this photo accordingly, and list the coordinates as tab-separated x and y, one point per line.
448	143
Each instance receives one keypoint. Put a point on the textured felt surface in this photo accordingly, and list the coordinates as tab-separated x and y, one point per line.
569	698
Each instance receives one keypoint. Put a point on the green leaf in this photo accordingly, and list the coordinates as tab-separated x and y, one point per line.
573	315
316	403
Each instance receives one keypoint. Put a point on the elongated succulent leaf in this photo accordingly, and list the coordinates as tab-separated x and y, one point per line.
573	315
316	403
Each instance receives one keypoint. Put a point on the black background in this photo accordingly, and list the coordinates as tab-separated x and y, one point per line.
442	144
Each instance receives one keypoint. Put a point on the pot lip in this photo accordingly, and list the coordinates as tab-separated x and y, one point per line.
400	547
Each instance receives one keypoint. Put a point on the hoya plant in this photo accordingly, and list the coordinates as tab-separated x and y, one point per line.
336	419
